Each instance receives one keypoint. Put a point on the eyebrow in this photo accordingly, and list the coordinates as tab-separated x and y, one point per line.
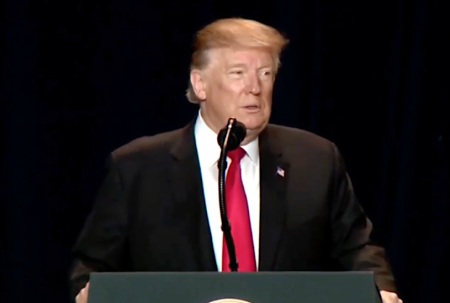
243	65
236	65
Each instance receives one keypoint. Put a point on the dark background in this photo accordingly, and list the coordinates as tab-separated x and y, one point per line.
81	78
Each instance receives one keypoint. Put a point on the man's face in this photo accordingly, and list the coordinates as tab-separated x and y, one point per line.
239	84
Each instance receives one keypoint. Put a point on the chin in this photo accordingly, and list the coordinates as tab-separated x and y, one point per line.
253	124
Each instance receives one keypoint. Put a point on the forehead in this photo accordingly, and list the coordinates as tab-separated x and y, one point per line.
226	57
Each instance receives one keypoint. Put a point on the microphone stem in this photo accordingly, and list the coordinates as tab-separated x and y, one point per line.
222	199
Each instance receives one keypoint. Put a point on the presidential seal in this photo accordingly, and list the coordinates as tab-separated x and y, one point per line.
229	300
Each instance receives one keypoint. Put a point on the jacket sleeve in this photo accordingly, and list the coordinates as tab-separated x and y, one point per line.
352	246
102	242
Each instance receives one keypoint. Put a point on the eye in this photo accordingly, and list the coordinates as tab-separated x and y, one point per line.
236	73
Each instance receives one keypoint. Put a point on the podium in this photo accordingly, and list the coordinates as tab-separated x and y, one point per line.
235	287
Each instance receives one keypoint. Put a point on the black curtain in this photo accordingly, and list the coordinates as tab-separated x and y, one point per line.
81	78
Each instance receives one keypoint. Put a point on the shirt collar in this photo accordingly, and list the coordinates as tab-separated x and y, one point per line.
209	149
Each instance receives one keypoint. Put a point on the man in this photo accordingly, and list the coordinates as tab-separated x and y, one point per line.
290	201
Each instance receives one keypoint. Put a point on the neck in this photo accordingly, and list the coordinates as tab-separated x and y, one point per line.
248	138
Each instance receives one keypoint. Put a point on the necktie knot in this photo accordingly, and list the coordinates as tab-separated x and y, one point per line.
236	154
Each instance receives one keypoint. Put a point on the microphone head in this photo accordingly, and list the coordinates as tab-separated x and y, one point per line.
237	134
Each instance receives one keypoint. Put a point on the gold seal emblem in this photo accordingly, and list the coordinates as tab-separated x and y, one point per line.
229	300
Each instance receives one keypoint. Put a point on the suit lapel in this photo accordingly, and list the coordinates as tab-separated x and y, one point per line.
186	186
273	174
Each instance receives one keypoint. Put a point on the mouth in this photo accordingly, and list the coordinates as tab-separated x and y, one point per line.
252	108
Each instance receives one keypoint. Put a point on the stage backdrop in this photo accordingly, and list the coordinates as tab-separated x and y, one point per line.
81	78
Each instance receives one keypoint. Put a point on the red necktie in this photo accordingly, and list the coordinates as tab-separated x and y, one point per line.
238	216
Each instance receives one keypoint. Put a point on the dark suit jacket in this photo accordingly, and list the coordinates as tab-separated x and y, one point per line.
150	212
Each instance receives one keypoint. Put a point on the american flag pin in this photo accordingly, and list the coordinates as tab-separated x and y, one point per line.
280	172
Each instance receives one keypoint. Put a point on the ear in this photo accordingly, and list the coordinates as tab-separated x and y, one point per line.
198	84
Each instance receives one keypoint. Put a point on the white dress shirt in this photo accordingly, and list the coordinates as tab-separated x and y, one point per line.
208	154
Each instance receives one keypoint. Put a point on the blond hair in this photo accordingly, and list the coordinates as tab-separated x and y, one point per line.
233	32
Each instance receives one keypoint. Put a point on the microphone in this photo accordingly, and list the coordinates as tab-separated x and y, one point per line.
229	138
234	133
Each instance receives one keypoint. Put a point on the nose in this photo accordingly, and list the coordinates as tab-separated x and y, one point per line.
253	84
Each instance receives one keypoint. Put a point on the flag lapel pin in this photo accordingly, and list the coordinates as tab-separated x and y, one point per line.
280	172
